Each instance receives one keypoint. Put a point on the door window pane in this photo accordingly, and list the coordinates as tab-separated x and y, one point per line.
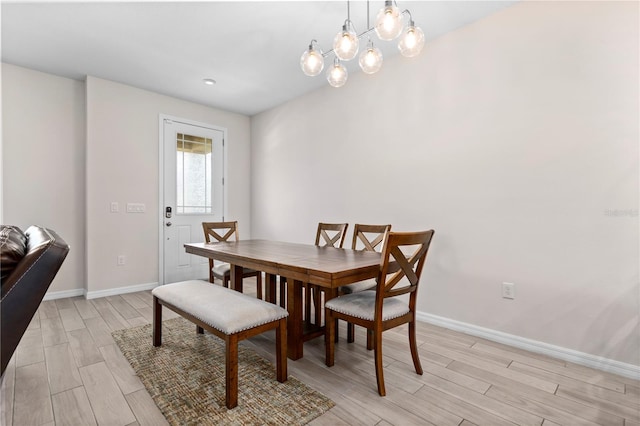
193	174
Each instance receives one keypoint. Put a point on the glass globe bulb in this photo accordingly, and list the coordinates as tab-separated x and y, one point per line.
337	74
345	44
388	22
370	60
311	62
411	42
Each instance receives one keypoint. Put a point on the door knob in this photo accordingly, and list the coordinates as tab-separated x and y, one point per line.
168	223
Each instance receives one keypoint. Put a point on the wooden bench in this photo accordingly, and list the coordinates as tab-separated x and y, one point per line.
228	314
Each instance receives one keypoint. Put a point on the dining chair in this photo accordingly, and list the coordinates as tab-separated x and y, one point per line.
327	235
365	238
330	234
401	264
224	231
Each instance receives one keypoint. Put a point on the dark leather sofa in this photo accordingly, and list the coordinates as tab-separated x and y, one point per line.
28	261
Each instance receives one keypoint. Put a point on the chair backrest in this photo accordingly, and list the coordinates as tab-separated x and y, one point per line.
370	237
332	234
220	231
403	256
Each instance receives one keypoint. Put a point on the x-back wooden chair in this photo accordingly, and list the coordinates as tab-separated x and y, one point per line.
331	234
227	231
327	235
366	238
382	310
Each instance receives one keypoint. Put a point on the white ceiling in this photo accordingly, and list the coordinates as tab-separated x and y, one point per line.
252	49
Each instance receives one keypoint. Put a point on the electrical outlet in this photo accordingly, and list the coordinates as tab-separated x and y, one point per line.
115	207
508	291
121	260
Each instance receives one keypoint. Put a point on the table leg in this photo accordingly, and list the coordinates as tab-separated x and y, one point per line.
270	288
236	278
294	322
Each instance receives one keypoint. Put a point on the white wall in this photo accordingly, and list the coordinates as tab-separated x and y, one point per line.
516	139
43	161
59	175
122	166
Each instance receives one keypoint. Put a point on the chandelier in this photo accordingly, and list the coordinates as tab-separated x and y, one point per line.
388	26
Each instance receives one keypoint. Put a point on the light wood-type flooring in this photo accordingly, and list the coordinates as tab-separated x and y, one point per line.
68	370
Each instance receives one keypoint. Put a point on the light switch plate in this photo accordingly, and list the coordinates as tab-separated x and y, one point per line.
136	208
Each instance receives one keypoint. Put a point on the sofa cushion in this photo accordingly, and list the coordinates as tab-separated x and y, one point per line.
13	245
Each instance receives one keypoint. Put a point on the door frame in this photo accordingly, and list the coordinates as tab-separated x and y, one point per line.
161	201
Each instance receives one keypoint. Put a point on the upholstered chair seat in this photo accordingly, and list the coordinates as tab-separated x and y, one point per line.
362	305
223	272
359	286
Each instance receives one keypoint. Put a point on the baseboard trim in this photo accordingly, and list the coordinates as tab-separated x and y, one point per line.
609	365
53	295
120	290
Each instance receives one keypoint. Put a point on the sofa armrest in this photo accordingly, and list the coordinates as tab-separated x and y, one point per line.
24	289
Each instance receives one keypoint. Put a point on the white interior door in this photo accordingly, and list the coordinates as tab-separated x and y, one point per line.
193	192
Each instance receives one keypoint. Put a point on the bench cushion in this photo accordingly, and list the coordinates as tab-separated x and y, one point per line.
225	310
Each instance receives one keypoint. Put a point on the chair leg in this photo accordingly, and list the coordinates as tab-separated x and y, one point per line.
270	288
225	281
317	303
377	341
351	332
231	370
283	292
369	340
307	303
259	285
329	337
414	347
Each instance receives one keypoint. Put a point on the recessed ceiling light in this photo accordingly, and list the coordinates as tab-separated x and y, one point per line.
209	81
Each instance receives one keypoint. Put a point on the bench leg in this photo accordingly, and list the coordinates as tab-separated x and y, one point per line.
199	329
281	351
231	361
157	322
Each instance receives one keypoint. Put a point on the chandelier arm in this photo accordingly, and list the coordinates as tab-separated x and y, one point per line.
408	12
351	24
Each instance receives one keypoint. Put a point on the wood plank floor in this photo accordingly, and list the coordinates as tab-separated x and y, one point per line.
67	370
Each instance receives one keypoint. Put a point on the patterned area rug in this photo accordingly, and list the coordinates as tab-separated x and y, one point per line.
185	377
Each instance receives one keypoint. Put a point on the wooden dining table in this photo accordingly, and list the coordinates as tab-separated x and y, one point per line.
327	267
